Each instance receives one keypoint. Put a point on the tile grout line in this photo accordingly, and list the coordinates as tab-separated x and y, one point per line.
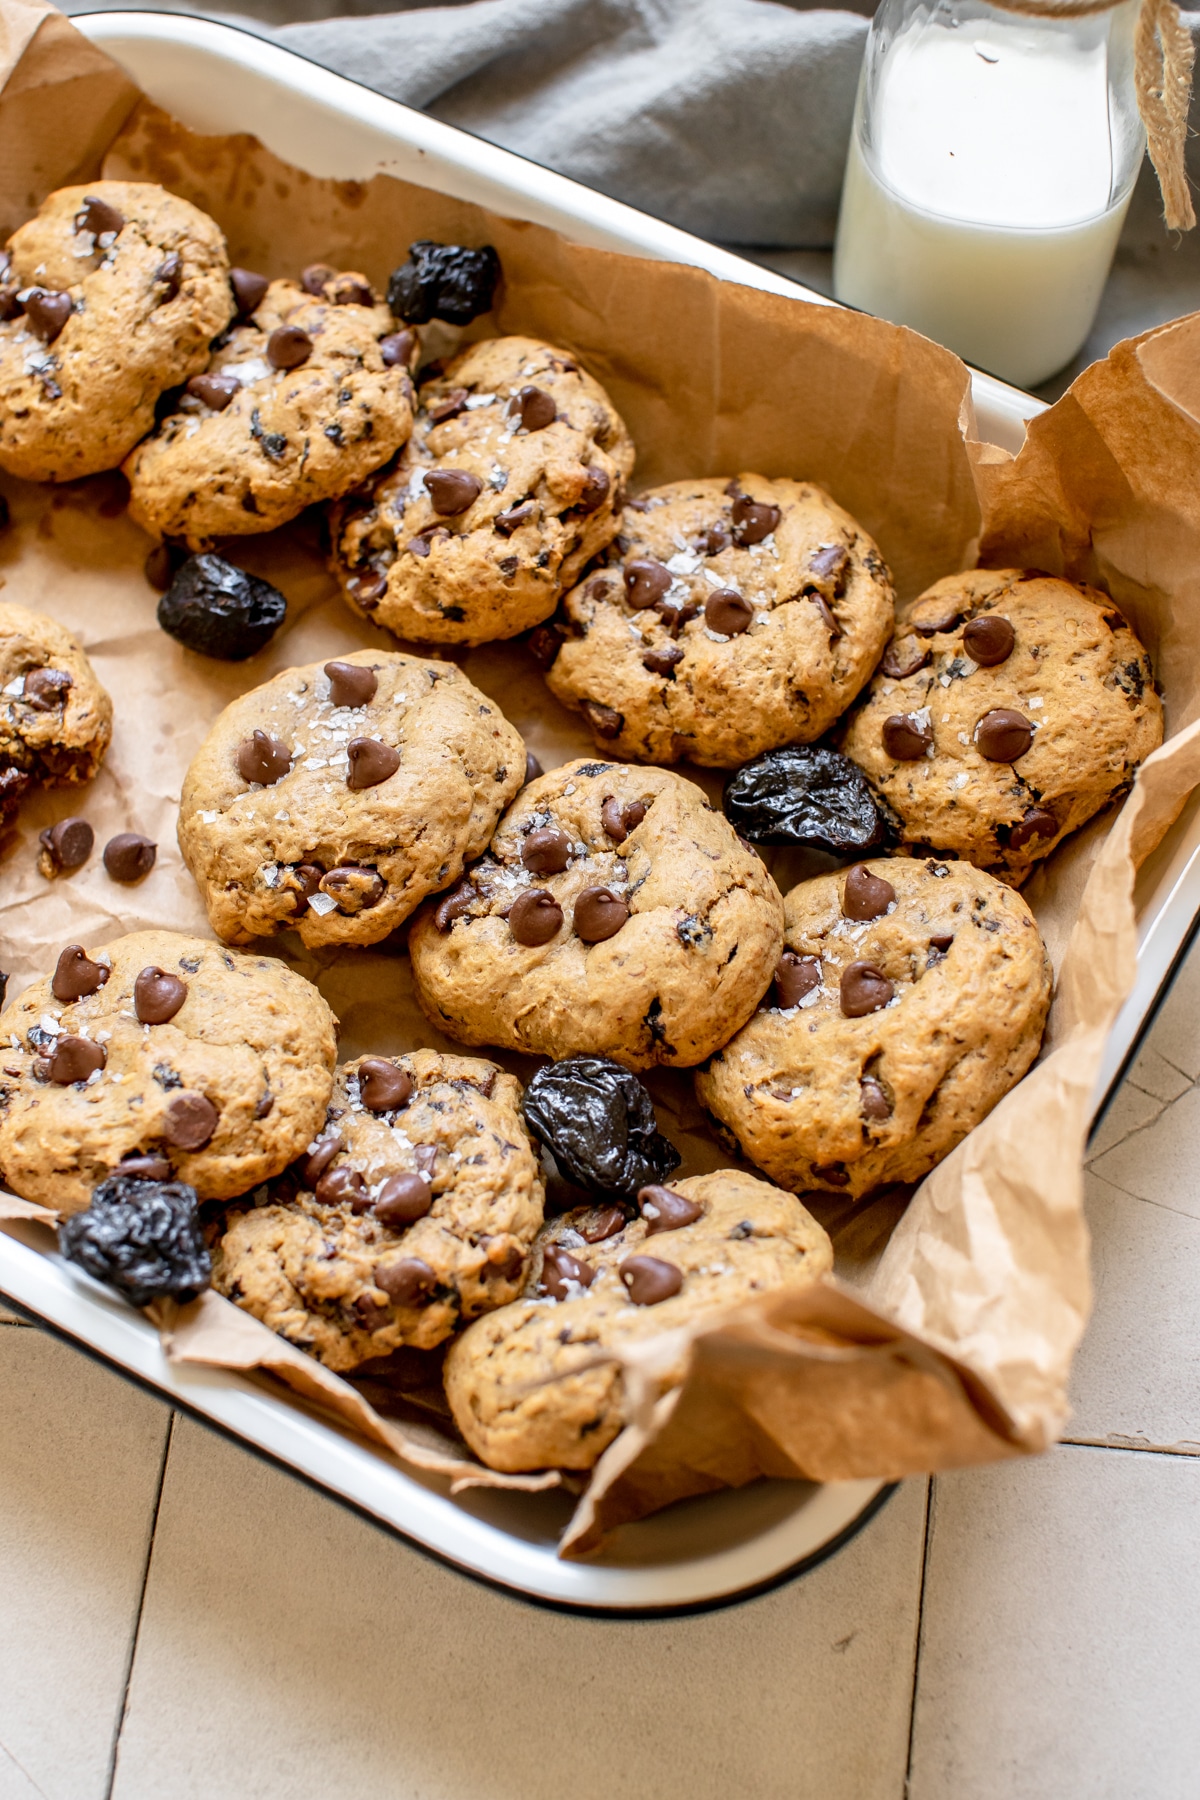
1128	1449
137	1624
912	1707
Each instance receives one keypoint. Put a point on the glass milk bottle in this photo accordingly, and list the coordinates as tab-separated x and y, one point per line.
991	164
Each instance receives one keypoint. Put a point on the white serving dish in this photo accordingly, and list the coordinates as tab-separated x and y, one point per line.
707	1552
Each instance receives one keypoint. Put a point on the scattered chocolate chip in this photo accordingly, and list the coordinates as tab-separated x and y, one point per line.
143	1166
559	1268
219	610
191	1121
864	990
940	612
665	1210
866	896
874	1102
263	758
342	1186
313	279
169	276
452	491
98	217
160	566
507	522
350	684
605	721
727	612
454	905
403	1199
795	976
76	975
215	391
831	562
546	851
397	349
68	844
661	661
382	1087
449	406
288	347
533	768
903	657
1036	823
648	1280
595	491
599	914
370	763
1003	735
989	639
74	1059
319	1159
157	996
444	281
603	1224
129	856
753	520
905	737
355	886
46	689
409	1282
532	408
535	917
646	581
544	646
248	290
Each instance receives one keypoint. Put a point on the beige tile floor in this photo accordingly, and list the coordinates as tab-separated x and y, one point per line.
178	1620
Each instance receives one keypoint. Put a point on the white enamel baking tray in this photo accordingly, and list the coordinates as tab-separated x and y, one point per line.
706	1552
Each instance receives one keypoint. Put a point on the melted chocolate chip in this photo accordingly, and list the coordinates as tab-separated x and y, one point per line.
533	768
532	408
940	612
873	1102
319	1159
263	758
1003	735
903	657
665	1210
190	1122
599	914
46	689
559	1267
905	737
595	491
727	612
507	522
137	1166
618	821
47	313
452	491
76	975
942	942
68	844
397	349
753	520
288	347
403	1199
661	661
989	639
355	886
831	562
544	646
129	856
601	1225
309	876
350	684
646	581
648	1280
535	917
98	217
409	1282
866	896
449	406
169	276
248	290
546	851
342	1186
833	1174
454	905
605	721
368	589
350	290
157	996
382	1087
1036	823
215	391
370	763
74	1059
864	990
795	976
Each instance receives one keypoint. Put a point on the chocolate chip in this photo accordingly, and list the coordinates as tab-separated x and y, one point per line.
940	612
420	544
612	818
263	758
795	976
215	391
753	520
864	990
595	491
546	851
866	896
74	1059
533	768
535	917
10	306
76	975
370	763
350	290
830	562
726	611
713	541
544	646
191	1121
454	905
409	1282
46	689
648	1280
397	349
507	522
137	1166
403	1199
129	856
160	566
169	276
833	1174
452	491
157	996
309	876
601	1225
559	1267
68	844
605	721
371	1313
942	943
98	217
425	1157
599	914
905	737
828	618
264	1106
532	408
355	886
1036	823
313	279
320	1159
873	1102
646	581
382	1087
288	347
663	660
1003	735
343	1186
903	657
248	290
989	639
367	590
449	406
665	1210
350	684
47	313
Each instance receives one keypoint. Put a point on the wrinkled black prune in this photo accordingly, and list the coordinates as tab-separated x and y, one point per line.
219	610
444	281
805	794
142	1238
598	1121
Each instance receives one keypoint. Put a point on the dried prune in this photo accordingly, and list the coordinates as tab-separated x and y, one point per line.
805	794
219	610
444	281
598	1121
141	1237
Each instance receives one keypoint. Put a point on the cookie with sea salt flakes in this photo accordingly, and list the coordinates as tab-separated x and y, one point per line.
55	718
302	400
160	1055
615	912
509	486
109	296
337	795
1008	709
413	1212
734	617
539	1384
909	998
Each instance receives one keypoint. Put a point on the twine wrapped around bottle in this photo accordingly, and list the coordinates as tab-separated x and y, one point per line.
1163	55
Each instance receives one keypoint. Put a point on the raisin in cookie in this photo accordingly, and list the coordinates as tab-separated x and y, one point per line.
539	1384
168	1050
910	997
55	718
615	912
415	1210
298	404
1008	709
108	297
738	616
338	795
509	486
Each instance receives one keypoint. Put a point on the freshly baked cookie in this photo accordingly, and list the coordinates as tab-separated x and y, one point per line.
909	998
336	796
166	1049
539	1384
615	912
299	403
55	718
510	484
416	1210
108	297
733	617
1008	709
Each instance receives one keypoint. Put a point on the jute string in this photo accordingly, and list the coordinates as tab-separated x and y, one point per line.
1163	79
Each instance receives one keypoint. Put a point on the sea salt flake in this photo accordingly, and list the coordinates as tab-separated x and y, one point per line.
207	818
16	686
49	1025
322	904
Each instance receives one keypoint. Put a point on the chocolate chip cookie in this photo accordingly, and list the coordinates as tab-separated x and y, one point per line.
413	1211
336	796
55	718
160	1055
1009	707
108	297
615	912
510	484
539	1384
732	617
302	400
909	998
